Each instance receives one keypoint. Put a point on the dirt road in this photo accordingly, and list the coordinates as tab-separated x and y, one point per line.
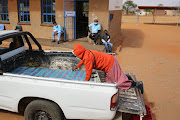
152	52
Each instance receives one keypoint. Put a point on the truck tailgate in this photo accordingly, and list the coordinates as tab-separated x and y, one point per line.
130	101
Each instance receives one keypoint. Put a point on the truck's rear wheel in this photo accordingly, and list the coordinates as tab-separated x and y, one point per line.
43	110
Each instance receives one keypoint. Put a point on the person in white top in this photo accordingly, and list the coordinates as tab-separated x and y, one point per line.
57	31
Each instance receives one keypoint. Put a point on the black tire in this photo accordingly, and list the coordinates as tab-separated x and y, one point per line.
44	109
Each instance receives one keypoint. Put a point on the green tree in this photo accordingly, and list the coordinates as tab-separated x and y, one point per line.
128	6
148	10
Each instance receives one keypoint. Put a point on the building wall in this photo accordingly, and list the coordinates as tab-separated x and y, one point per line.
38	29
115	24
12	9
161	12
99	9
170	12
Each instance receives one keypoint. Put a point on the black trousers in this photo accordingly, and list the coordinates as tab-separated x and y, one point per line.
94	36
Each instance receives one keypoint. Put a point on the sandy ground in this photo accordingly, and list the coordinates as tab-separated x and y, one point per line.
152	52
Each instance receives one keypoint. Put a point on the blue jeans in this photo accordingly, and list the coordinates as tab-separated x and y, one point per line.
59	35
107	45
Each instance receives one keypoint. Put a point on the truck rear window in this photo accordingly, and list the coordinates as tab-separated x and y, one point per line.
11	44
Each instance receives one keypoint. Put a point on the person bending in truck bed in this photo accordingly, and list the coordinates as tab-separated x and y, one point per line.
96	28
105	62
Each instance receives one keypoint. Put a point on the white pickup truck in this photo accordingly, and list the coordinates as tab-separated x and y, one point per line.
41	85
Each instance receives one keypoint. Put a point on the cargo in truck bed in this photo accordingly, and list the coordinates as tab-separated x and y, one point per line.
51	73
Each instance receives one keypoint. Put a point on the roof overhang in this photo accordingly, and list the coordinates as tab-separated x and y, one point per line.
159	7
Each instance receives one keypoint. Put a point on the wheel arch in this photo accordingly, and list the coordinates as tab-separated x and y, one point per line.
26	100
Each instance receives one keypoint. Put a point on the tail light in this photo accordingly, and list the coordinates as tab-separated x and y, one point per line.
114	100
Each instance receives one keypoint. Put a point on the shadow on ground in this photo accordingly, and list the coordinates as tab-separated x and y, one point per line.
127	39
11	113
147	102
170	24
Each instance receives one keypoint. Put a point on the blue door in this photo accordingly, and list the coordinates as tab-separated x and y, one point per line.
69	19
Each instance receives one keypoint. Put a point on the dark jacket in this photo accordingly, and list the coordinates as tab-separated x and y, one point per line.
106	37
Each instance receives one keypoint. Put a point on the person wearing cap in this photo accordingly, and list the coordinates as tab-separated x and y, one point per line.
57	31
93	59
96	28
106	41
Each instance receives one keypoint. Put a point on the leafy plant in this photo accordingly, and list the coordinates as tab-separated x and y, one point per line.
128	6
148	10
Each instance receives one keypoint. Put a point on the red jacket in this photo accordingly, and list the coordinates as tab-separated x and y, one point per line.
104	62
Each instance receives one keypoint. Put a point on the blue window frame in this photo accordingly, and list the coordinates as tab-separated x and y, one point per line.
4	16
23	10
48	11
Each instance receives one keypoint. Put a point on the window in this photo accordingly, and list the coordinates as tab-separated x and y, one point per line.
48	11
4	10
23	10
11	44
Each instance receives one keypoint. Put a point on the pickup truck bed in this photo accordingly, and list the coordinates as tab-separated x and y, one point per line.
130	101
